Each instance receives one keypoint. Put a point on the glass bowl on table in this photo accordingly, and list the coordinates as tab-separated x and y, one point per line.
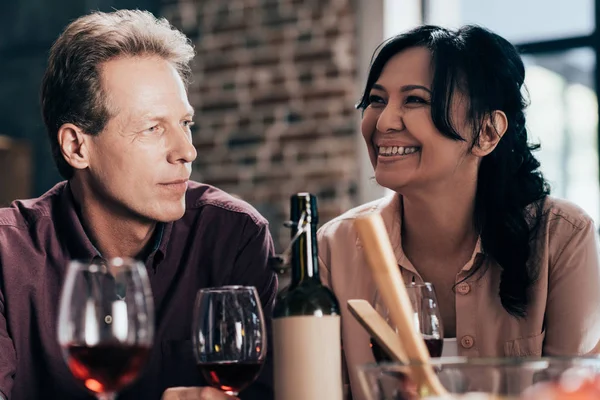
551	378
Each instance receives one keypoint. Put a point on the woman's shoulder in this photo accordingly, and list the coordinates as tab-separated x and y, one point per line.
343	224
560	213
338	242
563	231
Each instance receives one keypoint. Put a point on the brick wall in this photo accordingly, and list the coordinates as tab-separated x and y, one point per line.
274	88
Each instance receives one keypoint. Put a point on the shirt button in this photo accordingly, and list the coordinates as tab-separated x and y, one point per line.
467	341
463	288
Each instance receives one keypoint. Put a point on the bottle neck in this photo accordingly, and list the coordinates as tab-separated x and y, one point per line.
305	257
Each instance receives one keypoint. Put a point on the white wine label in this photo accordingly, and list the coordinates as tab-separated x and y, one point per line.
308	358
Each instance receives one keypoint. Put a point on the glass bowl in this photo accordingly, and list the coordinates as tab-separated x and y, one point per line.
552	378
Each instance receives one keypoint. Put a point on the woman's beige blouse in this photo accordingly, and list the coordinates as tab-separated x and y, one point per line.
563	317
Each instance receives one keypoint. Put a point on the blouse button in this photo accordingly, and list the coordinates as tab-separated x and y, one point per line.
463	288
467	341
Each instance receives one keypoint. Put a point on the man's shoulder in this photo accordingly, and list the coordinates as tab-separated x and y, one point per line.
28	212
201	196
27	224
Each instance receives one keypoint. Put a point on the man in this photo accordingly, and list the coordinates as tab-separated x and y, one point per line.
115	106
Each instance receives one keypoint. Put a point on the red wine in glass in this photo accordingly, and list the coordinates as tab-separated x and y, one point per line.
426	317
106	323
435	346
106	368
230	376
229	337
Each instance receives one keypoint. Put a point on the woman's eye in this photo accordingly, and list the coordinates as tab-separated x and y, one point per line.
188	124
416	100
376	99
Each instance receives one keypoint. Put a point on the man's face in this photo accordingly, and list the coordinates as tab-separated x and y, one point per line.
140	163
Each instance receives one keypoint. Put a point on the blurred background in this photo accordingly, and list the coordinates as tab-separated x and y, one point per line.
275	83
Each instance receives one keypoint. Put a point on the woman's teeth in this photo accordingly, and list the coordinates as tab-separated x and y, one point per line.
395	150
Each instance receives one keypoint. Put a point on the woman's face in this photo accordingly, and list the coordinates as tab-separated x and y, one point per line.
406	149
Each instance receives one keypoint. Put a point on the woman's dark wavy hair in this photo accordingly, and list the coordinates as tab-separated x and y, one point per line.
510	188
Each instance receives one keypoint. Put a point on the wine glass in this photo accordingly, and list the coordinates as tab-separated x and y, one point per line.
427	320
106	323
229	337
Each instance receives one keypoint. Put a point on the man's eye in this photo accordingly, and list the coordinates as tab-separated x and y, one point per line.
153	129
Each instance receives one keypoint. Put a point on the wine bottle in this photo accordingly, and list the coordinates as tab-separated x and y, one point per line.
306	319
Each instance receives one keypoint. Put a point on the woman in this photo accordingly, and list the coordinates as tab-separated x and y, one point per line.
516	272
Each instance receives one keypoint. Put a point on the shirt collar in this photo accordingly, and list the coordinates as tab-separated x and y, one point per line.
390	209
162	236
78	243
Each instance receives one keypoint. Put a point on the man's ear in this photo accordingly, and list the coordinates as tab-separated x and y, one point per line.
73	146
492	131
